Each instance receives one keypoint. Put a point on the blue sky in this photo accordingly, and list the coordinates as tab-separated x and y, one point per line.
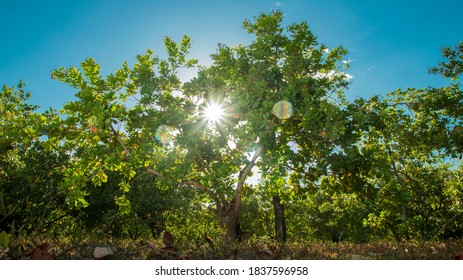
391	43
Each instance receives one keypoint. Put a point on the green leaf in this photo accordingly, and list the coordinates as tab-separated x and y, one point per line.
81	203
100	178
185	44
124	204
4	239
124	186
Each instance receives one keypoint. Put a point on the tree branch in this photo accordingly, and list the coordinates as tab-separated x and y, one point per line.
190	183
394	168
318	141
243	175
154	172
126	150
195	184
204	189
399	180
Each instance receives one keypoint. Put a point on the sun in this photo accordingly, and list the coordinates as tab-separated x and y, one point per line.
213	112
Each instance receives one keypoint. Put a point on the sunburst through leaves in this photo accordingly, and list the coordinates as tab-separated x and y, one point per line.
213	112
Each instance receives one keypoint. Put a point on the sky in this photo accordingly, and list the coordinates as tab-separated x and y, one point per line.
391	44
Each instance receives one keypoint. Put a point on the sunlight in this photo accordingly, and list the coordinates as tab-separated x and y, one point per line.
213	112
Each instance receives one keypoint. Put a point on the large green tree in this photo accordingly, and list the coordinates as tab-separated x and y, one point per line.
277	95
286	93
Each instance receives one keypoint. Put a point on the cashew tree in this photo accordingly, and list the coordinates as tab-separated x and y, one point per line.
284	92
273	106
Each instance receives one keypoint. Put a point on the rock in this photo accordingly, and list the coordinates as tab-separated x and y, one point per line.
358	257
101	252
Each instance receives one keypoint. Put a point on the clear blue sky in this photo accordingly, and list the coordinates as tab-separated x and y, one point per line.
391	43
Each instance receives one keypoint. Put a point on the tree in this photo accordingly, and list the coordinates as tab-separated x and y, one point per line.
282	93
275	94
16	136
414	143
120	126
29	170
396	166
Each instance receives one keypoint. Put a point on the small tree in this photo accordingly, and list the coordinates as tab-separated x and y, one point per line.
414	150
30	171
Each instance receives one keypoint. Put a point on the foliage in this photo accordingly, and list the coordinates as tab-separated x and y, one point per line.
4	240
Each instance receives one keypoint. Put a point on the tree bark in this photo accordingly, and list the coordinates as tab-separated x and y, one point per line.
280	221
228	217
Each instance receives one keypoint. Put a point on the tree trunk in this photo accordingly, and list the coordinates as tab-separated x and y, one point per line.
280	221
232	230
228	217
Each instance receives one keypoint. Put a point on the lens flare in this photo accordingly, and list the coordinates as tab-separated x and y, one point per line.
165	134
283	110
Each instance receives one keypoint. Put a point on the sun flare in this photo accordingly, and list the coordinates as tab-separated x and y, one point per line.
213	112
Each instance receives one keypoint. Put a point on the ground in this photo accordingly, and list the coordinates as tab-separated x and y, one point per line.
124	249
